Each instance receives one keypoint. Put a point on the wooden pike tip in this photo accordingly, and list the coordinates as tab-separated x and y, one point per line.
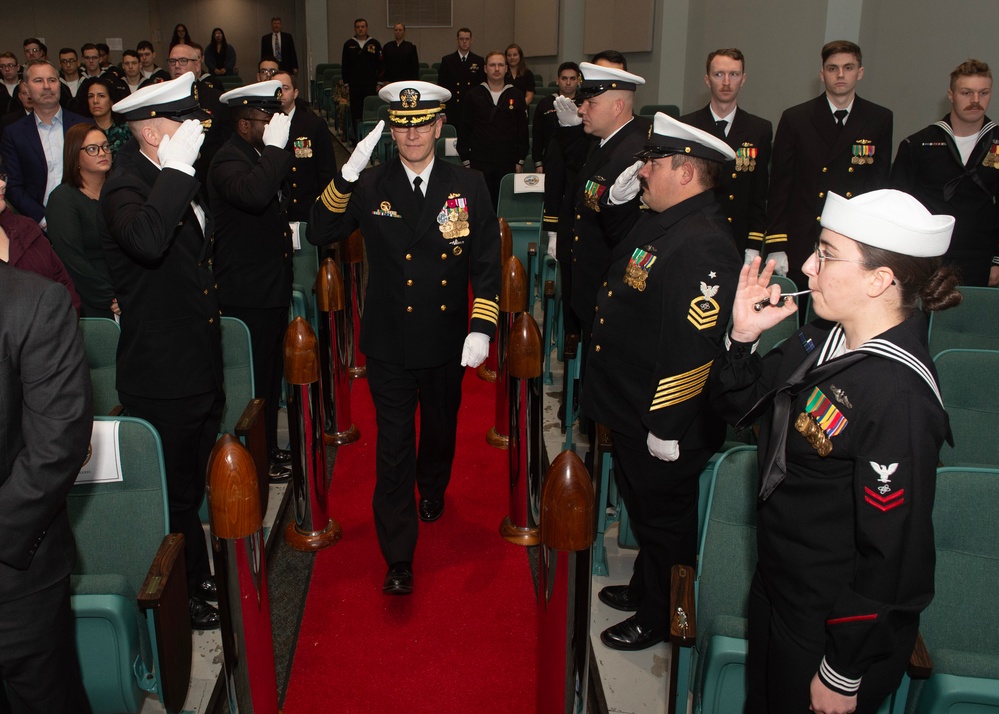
233	494
524	359
506	241
567	505
301	353
329	287
355	248
513	291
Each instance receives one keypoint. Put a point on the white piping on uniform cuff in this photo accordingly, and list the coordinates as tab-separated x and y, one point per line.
995	260
728	344
836	681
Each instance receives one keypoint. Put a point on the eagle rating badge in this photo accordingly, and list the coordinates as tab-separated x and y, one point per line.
703	313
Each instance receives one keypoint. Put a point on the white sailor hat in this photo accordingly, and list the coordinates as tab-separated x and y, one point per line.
175	99
265	96
412	103
669	136
598	79
891	220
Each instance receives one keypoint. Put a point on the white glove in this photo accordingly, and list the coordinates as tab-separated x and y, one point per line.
180	151
780	258
475	351
567	111
361	156
627	185
277	130
751	253
662	449
552	238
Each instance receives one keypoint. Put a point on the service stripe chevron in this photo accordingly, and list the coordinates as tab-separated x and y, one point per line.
485	310
680	387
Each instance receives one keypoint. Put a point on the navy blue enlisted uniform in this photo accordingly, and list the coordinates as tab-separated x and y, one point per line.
416	316
253	247
313	164
929	166
158	241
361	65
494	138
742	189
662	311
813	156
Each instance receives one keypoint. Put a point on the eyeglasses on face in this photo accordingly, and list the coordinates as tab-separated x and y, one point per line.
8	65
268	72
68	60
821	257
422	129
182	61
94	149
32	50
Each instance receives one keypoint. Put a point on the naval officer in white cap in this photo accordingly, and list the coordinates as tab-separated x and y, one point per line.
662	310
849	446
429	231
157	239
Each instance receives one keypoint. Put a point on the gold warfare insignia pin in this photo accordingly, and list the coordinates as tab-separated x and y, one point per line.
385	206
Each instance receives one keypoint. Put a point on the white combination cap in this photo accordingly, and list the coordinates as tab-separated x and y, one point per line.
412	103
175	99
670	136
598	79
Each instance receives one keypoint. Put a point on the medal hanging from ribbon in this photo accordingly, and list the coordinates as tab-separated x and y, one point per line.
453	219
820	422
992	158
637	272
863	152
745	158
592	193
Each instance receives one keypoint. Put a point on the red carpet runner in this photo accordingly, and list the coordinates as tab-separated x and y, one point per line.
465	640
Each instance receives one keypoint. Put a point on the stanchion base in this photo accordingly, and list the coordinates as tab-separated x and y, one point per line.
311	542
485	374
518	535
357	372
342	437
497	440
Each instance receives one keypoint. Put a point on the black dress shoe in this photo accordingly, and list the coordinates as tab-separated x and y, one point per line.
431	509
279	473
629	635
206	590
203	615
398	579
618	597
280	457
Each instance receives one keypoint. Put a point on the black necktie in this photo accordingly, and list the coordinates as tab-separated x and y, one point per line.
464	58
418	193
840	115
720	127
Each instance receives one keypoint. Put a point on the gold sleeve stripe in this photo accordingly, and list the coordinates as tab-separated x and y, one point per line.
680	387
335	201
756	234
485	310
777	238
550	219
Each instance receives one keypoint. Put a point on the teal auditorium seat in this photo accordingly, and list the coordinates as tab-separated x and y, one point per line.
961	626
440	151
369	112
133	629
969	385
972	324
523	212
100	340
305	266
786	327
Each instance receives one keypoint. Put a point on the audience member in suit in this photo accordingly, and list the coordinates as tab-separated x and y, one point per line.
741	189
400	59
8	83
460	71
431	234
156	234
24	246
310	143
494	138
253	248
45	426
545	119
280	46
72	218
361	61
836	142
34	164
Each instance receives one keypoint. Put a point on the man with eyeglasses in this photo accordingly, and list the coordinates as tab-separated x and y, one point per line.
253	246
32	148
34	49
187	58
742	188
267	68
91	60
69	69
429	230
8	82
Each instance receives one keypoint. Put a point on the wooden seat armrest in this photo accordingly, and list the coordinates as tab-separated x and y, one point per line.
570	346
683	616
164	595
920	662
117	410
250	429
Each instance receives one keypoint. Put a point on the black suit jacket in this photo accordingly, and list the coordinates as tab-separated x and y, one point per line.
400	61
289	58
811	157
25	164
313	163
45	426
416	306
742	188
458	78
160	261
253	250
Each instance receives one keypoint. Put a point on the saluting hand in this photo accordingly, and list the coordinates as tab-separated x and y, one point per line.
567	112
180	151
747	322
277	130
627	185
361	156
